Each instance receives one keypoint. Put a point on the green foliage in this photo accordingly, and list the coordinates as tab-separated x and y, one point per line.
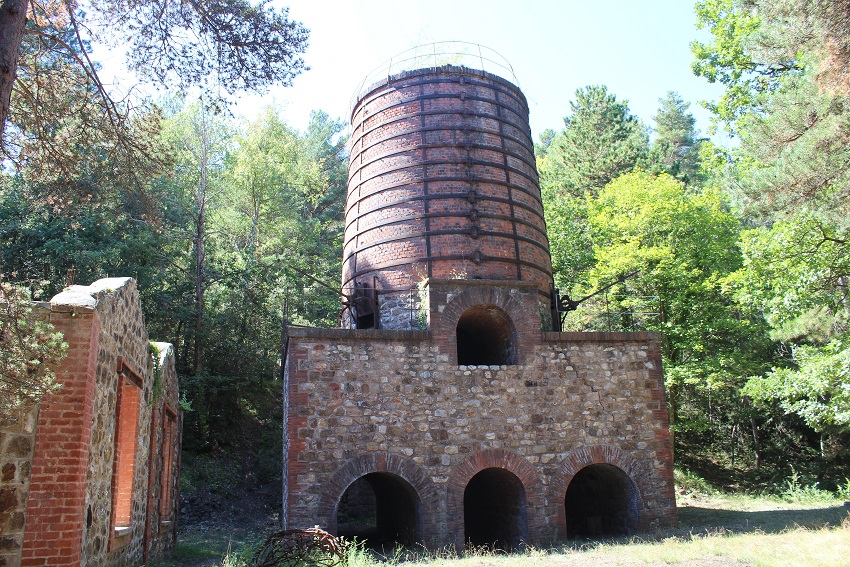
817	390
30	351
601	140
784	66
676	149
690	484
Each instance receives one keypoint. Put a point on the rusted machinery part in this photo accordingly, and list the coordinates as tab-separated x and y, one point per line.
311	547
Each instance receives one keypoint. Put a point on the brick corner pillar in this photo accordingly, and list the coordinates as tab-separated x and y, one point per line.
56	509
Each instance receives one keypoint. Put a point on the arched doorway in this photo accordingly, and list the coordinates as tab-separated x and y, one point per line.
486	336
494	510
601	501
381	509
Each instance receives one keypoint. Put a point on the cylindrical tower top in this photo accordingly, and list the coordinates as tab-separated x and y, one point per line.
442	184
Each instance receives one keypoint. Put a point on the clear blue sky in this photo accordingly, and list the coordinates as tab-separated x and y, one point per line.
640	49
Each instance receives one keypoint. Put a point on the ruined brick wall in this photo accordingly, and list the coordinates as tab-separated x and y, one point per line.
164	469
73	497
397	402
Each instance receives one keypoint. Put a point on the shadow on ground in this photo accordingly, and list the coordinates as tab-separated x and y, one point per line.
695	518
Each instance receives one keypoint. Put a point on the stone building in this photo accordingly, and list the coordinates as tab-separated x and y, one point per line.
90	476
449	409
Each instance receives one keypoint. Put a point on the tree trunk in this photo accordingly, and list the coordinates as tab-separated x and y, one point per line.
756	442
200	239
13	20
672	411
199	291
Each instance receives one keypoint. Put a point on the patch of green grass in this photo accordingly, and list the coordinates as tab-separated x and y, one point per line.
722	530
211	548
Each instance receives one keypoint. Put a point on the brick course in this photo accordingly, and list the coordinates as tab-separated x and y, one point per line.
567	435
442	184
72	504
371	401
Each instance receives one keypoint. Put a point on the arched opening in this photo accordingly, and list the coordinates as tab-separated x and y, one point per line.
494	510
486	336
601	501
381	509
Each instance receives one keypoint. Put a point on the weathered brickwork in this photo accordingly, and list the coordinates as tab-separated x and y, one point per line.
442	184
461	419
76	491
397	402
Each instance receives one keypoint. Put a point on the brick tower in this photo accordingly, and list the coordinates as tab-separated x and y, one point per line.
447	411
442	184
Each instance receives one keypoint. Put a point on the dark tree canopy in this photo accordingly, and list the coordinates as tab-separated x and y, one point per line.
231	42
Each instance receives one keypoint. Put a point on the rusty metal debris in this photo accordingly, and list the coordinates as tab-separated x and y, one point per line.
311	547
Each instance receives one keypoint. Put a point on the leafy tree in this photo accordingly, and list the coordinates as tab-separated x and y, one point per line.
676	148
817	390
784	65
676	245
774	59
229	43
796	273
601	140
30	349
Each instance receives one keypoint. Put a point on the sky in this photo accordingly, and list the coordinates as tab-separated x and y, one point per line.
638	48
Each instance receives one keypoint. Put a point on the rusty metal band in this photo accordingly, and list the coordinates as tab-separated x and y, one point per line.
444	232
463	95
405	261
429	215
526	143
434	196
354	170
469	178
380	91
389	290
352	202
520	125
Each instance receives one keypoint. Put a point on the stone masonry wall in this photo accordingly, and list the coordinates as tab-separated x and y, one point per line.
162	478
370	401
72	501
17	439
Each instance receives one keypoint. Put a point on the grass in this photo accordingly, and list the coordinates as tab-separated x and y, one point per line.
798	526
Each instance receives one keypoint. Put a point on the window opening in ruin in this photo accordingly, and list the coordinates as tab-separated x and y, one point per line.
486	336
166	474
601	501
381	509
365	304
494	510
129	396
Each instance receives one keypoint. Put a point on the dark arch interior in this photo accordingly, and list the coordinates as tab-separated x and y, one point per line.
381	509
601	501
494	510
485	336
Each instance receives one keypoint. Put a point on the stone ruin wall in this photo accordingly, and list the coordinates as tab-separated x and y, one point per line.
17	440
122	335
68	507
366	401
162	526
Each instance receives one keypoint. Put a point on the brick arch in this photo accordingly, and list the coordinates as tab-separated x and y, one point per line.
578	459
525	317
362	465
500	459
